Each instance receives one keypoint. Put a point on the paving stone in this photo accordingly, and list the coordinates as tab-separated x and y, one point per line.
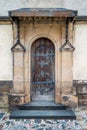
37	120
1	115
44	124
48	128
49	121
40	129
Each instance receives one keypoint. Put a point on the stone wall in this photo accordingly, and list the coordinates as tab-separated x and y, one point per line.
81	91
28	35
4	93
6	62
63	60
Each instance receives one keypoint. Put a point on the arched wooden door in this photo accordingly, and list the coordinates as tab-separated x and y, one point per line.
42	70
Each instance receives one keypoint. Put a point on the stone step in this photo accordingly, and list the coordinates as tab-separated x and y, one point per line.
43	114
42	97
44	105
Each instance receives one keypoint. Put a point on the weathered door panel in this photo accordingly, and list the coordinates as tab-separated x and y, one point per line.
42	69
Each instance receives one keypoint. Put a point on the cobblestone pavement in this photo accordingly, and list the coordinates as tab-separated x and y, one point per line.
81	114
38	124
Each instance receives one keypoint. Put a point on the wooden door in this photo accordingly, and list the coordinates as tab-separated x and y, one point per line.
43	70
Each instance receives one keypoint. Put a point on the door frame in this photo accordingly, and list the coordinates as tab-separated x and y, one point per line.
55	43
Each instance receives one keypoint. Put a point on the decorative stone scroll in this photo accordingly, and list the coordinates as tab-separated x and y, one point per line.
70	100
16	99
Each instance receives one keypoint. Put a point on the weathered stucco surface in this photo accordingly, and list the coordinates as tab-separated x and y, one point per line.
6	41
80	53
79	5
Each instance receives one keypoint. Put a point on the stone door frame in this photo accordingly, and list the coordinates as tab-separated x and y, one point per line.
63	62
63	59
55	46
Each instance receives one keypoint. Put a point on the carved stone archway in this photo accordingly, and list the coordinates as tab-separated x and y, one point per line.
25	23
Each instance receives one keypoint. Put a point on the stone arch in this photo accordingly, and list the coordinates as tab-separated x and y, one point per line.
29	45
44	36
